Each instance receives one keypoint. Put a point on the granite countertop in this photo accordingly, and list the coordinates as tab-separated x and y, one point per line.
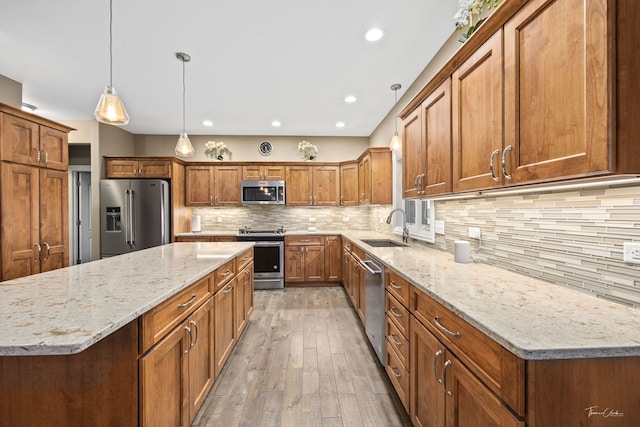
67	310
533	319
210	233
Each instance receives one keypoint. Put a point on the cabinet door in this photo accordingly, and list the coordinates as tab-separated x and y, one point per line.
252	173
122	168
299	186
314	263
294	263
154	168
54	219
273	172
381	186
227	186
241	314
201	356
436	121
20	140
364	180
349	185
54	151
556	93
199	185
326	185
163	379
248	292
360	289
20	221
477	117
414	154
427	395
470	402
225	333
333	258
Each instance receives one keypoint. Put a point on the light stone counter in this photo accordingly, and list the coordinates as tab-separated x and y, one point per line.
533	319
65	311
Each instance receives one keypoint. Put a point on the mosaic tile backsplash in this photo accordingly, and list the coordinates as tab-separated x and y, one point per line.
572	238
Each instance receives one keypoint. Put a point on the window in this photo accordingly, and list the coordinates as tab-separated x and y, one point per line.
420	213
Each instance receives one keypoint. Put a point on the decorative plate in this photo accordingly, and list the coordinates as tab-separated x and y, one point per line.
265	148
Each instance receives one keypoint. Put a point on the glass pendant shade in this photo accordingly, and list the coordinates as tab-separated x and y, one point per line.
110	109
184	147
396	144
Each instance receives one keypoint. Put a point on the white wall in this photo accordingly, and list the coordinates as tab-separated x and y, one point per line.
10	92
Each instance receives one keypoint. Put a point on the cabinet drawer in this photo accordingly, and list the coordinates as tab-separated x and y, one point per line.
398	314
304	240
223	274
398	341
398	287
160	320
194	239
398	375
498	368
244	259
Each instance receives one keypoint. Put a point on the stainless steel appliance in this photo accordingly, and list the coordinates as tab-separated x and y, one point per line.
262	192
375	321
134	215
268	256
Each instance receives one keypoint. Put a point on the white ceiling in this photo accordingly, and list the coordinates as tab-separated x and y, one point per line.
253	61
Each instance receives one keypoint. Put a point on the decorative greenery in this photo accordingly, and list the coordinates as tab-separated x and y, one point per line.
308	150
216	150
469	9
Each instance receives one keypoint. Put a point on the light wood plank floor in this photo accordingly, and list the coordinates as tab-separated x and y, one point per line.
303	361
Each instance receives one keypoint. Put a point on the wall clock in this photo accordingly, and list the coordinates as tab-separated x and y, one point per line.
265	148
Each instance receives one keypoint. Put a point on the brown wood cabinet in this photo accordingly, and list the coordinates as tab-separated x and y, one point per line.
349	184
34	194
213	185
224	325
206	239
304	259
313	185
375	179
131	167
333	258
414	165
268	172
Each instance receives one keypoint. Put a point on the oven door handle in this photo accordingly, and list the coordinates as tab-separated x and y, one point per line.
269	244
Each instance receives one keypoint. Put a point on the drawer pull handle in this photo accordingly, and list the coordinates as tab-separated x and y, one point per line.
504	162
393	339
491	166
188	303
394	286
394	371
444	377
435	366
442	328
304	240
195	328
229	289
226	273
394	312
188	329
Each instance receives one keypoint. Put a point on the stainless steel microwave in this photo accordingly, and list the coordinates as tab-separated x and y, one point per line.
262	192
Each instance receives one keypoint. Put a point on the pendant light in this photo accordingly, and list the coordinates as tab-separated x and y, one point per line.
183	147
396	144
110	109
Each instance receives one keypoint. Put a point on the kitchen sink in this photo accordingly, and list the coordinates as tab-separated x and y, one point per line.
384	243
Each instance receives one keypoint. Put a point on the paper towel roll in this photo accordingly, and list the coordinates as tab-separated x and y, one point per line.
461	251
195	224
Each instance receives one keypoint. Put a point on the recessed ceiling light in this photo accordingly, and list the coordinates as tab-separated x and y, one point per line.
350	99
28	107
340	124
374	34
207	122
275	124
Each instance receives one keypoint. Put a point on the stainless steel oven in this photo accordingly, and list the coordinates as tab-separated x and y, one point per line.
268	257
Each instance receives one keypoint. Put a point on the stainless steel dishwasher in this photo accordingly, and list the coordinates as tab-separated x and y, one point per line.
375	320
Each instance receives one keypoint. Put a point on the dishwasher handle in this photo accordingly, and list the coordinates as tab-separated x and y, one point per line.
366	263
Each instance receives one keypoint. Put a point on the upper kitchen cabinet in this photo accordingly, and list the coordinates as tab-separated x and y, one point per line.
213	185
557	99
33	141
375	177
477	118
263	172
313	185
138	167
349	184
413	166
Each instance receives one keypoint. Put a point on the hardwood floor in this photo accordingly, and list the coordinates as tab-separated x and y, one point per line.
303	361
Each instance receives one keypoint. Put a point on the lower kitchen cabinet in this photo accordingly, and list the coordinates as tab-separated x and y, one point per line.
304	259
178	372
225	332
333	258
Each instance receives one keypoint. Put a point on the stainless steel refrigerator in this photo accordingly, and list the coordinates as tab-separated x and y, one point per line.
134	215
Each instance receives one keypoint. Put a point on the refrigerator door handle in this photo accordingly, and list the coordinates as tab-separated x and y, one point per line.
126	222
131	218
163	219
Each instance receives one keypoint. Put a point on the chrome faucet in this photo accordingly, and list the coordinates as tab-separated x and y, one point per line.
405	230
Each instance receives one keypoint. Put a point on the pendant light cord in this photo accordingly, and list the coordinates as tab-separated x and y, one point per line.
184	90
111	43
395	105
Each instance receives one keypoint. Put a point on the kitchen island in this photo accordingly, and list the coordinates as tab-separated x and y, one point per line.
73	341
